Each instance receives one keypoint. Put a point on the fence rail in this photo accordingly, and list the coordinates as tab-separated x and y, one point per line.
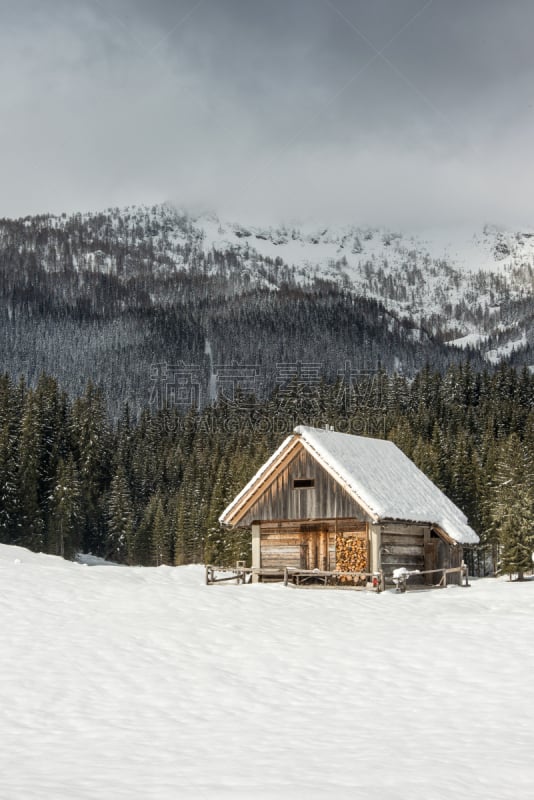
295	576
238	574
355	580
340	578
401	579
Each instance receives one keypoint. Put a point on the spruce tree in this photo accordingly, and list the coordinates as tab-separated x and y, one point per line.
216	546
119	541
9	429
65	512
92	443
143	536
517	534
9	499
31	525
159	543
513	504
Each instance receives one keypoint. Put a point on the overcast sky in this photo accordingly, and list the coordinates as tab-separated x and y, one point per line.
401	112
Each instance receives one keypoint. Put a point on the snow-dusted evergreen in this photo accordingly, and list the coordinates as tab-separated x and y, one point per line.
151	491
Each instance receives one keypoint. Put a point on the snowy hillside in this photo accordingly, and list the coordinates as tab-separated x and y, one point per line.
459	281
143	684
452	283
492	249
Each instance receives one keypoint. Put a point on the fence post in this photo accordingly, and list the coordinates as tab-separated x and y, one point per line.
465	570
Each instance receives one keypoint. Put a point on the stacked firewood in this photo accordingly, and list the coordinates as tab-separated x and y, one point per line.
351	554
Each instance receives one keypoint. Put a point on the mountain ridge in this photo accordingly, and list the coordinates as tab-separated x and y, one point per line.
153	284
452	282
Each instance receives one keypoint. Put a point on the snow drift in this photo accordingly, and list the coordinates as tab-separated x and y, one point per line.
146	684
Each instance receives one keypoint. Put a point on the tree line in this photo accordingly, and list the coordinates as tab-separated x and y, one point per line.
148	489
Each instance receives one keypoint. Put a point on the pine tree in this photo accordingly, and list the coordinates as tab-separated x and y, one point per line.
513	504
53	426
159	544
91	441
9	498
119	540
426	459
143	536
152	542
517	534
216	545
65	511
30	532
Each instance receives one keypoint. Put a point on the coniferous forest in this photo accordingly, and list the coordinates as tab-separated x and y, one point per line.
148	490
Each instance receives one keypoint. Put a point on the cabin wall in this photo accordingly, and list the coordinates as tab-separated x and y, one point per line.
402	545
351	545
305	545
417	547
450	556
325	500
406	545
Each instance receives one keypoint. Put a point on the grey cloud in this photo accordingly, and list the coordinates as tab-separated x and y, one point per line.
270	108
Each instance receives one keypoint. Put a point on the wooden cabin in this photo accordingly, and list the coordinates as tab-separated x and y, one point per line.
332	501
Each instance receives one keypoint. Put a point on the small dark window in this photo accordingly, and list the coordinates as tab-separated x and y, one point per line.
303	483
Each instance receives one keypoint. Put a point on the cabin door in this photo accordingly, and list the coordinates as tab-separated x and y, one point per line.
304	555
314	551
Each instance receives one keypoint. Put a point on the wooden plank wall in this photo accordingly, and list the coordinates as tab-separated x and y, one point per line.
417	547
280	501
403	546
304	544
310	544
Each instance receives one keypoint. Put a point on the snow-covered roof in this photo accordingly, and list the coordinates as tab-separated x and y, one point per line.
386	481
380	477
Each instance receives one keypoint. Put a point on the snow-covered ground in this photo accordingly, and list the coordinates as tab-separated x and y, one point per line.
122	683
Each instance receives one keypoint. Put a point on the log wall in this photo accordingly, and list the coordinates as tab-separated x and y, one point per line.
305	544
326	499
402	545
345	544
416	547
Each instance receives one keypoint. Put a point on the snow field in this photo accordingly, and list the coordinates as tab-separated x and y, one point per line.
144	683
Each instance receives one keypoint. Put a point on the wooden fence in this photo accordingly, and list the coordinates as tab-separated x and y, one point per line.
340	578
401	580
241	574
296	577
